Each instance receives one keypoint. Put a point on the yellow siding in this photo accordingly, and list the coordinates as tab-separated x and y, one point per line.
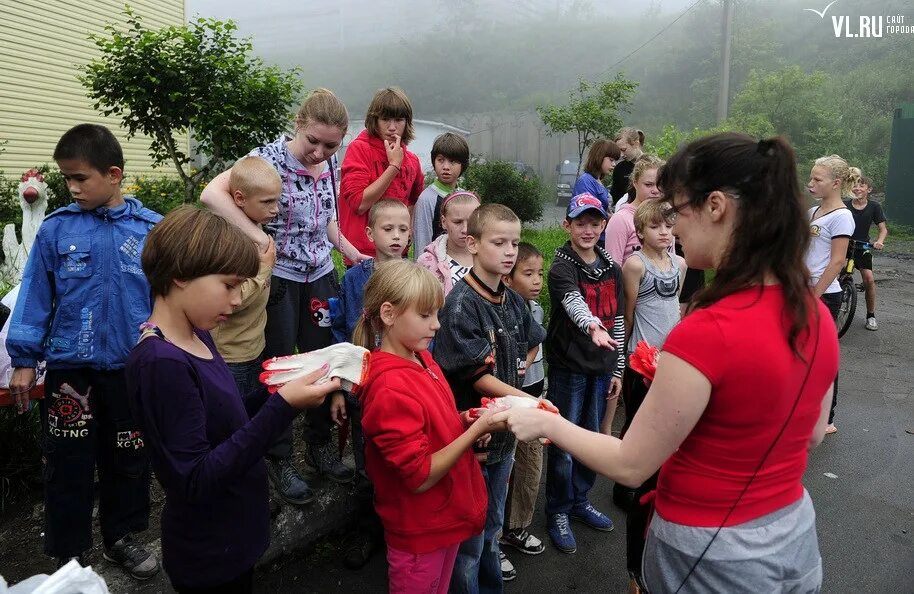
43	46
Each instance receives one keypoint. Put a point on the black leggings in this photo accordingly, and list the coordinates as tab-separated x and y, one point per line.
633	392
298	320
833	301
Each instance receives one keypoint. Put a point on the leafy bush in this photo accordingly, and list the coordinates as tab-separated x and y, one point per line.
499	182
162	193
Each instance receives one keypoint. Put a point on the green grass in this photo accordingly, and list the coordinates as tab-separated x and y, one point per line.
900	232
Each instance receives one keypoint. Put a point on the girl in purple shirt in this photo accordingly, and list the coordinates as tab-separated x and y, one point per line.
205	440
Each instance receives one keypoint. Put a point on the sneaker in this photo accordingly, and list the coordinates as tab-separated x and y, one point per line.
871	324
560	533
523	541
508	572
135	558
589	515
831	429
326	461
61	561
288	483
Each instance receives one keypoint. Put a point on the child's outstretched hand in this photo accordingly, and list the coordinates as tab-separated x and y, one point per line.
601	337
304	393
394	152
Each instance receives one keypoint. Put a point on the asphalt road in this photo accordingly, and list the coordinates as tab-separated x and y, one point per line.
861	480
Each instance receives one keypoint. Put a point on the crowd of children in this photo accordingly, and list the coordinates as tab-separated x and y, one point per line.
154	331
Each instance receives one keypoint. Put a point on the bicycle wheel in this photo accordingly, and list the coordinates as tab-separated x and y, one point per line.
848	304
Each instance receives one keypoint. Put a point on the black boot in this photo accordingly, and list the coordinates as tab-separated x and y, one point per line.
326	461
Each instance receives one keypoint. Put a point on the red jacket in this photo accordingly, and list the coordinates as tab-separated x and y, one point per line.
408	414
365	162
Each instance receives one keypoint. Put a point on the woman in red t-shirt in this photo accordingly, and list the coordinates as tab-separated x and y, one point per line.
742	389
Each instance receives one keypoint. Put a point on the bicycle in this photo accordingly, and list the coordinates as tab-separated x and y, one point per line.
848	288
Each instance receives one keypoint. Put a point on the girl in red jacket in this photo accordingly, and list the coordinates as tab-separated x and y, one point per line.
429	490
378	165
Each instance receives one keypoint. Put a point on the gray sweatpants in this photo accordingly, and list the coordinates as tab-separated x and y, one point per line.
778	552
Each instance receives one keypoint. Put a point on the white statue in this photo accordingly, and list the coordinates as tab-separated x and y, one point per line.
33	199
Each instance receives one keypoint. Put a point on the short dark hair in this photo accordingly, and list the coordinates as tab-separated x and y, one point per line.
390	103
191	242
94	144
525	251
599	150
454	147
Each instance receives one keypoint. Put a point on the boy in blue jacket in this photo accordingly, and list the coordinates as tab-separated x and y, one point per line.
82	300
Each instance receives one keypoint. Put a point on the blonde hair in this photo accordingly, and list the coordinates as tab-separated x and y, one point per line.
459	198
401	283
486	215
383	204
253	176
191	242
651	212
643	164
839	170
631	135
323	107
390	102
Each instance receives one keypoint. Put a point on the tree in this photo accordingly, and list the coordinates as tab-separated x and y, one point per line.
195	77
592	111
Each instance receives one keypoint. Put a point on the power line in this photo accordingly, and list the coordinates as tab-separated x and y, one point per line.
658	34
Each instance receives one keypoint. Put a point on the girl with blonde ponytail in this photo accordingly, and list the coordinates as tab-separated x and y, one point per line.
831	226
429	490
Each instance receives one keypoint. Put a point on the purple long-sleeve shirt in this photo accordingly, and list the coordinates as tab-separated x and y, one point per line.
207	452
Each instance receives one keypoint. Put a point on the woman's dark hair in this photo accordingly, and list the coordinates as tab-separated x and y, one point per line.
771	231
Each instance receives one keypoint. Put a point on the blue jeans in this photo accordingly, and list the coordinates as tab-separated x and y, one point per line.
477	569
247	375
582	400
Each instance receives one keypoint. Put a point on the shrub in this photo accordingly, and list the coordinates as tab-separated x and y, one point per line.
500	182
160	194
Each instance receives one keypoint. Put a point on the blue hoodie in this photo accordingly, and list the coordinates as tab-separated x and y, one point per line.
83	293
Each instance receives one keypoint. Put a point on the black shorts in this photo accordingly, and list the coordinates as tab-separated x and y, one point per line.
863	259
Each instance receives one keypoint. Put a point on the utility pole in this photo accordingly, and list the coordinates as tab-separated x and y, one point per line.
723	92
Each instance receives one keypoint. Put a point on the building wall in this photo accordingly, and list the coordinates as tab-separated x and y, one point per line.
43	45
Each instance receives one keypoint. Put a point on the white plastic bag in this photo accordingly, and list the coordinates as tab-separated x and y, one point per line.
69	579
